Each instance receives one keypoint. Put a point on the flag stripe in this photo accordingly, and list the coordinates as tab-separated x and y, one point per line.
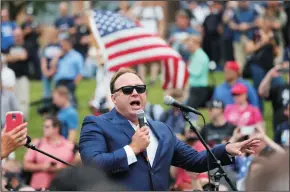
135	43
137	62
134	50
161	53
125	39
125	33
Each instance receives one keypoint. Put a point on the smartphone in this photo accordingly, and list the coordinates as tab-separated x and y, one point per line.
247	130
13	119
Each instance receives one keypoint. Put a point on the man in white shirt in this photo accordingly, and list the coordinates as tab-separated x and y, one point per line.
140	158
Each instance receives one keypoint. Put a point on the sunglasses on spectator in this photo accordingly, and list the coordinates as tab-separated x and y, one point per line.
128	90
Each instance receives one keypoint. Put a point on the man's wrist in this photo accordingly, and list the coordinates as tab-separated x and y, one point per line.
226	145
134	149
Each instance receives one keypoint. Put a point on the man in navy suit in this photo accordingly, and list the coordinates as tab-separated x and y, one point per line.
140	158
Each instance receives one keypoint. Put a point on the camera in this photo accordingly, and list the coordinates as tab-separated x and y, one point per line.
50	109
46	106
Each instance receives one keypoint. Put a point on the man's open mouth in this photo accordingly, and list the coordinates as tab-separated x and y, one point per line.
135	103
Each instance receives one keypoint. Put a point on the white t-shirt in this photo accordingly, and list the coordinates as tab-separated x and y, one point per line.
8	77
102	90
149	17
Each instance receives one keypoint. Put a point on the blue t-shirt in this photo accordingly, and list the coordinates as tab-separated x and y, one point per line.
69	120
7	39
223	92
244	16
176	122
69	66
64	23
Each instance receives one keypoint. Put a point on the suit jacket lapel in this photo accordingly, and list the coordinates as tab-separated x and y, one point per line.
122	123
160	149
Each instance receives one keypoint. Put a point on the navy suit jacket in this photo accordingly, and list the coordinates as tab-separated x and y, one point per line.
102	140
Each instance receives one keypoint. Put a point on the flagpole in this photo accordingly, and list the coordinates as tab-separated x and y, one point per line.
96	35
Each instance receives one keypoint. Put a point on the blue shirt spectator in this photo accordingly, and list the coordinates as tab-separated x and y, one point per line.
64	23
69	66
244	15
69	120
174	119
223	93
7	39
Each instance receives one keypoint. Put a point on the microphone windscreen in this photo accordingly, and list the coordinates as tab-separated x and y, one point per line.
168	100
140	114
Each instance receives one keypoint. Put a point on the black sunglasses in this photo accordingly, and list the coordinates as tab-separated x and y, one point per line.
128	90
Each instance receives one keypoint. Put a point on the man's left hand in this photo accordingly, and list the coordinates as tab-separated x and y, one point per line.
239	148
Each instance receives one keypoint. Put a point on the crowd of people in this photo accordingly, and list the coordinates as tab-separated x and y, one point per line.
245	40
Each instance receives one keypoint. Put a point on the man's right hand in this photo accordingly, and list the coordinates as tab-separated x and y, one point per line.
140	140
274	71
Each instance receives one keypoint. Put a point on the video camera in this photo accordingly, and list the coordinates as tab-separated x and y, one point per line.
47	106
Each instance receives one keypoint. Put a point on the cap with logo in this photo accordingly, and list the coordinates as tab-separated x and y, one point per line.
215	104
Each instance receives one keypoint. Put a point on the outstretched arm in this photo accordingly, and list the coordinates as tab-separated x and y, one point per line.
191	160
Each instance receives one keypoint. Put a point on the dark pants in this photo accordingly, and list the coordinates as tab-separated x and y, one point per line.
197	96
71	87
212	47
34	59
228	50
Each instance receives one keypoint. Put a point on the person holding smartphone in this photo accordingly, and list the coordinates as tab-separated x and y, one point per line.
12	140
278	95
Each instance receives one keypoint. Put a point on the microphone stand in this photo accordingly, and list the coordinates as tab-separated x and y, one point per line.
220	172
31	146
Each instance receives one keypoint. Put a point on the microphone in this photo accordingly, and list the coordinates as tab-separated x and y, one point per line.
140	115
168	100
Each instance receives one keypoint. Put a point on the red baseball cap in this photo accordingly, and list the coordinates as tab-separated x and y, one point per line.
232	65
239	89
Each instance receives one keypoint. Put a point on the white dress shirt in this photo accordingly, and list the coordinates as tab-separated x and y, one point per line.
151	149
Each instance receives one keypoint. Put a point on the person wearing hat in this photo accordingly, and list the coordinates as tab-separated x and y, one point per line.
232	76
241	113
218	130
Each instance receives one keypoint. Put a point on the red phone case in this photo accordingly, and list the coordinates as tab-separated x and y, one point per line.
13	119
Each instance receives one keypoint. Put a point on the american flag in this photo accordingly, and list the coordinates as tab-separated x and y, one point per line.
126	44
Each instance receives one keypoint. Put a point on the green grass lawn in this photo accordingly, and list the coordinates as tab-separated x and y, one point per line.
86	90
